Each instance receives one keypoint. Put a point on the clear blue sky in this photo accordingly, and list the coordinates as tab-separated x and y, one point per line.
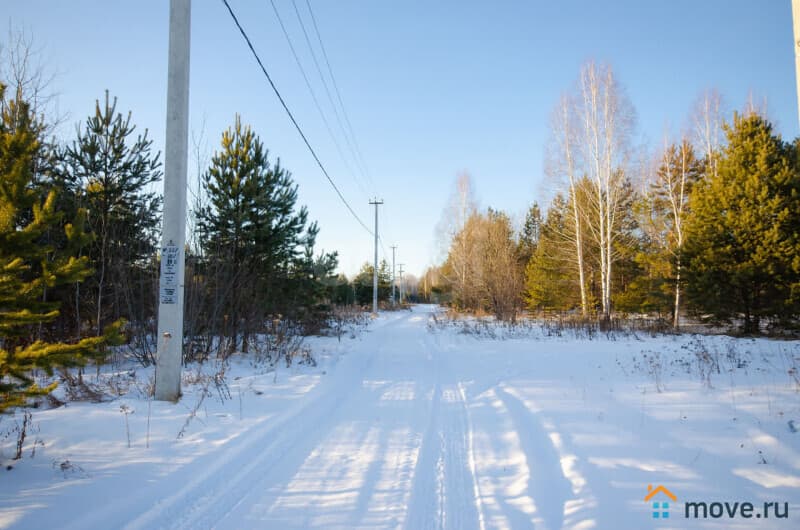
431	88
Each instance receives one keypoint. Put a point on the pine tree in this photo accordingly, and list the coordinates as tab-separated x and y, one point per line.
742	249
253	235
311	285
28	267
111	171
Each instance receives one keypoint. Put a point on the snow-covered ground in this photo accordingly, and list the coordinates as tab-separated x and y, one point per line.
414	424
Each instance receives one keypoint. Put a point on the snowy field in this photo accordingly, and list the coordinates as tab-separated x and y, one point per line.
415	424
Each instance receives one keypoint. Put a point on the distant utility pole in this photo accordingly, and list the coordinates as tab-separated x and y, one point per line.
173	233
376	202
401	283
796	25
394	247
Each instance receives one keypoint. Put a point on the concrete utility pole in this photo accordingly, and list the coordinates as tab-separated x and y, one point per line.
796	25
376	202
401	283
394	247
173	238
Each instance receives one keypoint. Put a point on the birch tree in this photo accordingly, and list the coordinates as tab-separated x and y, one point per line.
678	171
24	71
565	166
707	121
606	117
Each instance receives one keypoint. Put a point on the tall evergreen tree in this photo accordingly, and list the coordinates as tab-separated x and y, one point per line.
253	235
743	245
529	236
111	171
28	267
551	279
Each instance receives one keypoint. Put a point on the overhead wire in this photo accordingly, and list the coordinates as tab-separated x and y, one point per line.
336	89
292	118
327	90
316	101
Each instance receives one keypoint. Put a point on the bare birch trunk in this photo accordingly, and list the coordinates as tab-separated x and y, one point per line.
676	321
567	137
607	117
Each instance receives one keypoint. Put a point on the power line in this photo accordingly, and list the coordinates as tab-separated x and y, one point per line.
336	89
314	98
291	117
327	90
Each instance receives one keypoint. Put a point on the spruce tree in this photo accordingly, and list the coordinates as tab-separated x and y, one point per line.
550	276
531	231
742	249
28	267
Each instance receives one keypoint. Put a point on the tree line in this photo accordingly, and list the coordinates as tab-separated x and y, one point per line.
708	227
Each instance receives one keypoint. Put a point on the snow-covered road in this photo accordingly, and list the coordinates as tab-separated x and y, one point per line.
383	442
420	428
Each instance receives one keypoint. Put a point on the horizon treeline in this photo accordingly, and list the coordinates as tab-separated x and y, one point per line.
708	226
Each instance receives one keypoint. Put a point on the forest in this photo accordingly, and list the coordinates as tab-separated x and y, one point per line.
704	228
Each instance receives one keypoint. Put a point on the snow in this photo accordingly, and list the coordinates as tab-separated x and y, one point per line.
416	424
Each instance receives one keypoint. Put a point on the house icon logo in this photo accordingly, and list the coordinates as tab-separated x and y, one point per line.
660	508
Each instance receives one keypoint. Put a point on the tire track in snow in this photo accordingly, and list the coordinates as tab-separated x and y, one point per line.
276	459
162	506
443	494
461	487
427	495
213	492
204	501
471	460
